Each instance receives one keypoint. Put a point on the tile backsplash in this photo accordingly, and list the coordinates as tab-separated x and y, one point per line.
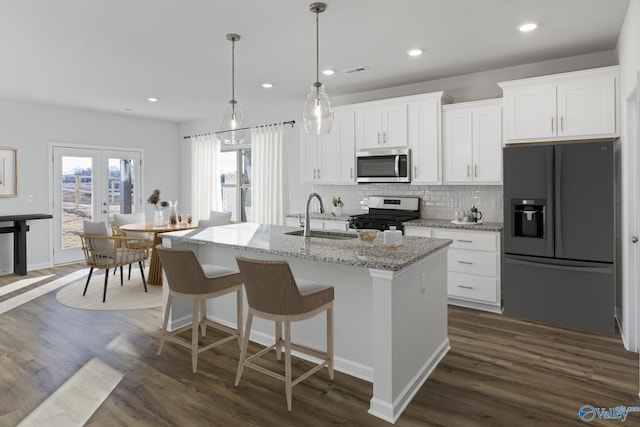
438	201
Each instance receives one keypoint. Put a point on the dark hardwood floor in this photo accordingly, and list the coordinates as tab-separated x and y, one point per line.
500	371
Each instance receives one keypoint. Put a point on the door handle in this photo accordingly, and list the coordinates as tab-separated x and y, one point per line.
104	211
634	239
468	170
465	262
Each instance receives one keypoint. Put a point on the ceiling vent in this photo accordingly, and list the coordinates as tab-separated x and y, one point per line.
353	70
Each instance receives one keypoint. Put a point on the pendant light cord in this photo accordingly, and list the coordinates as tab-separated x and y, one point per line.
317	46
233	69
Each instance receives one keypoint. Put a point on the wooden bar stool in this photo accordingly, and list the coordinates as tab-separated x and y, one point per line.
274	294
189	279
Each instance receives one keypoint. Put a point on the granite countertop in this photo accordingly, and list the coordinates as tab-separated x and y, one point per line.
444	223
324	216
271	239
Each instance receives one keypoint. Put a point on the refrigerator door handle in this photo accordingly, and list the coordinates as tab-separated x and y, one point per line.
584	269
558	202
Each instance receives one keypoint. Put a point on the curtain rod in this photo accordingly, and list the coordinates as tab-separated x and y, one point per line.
290	122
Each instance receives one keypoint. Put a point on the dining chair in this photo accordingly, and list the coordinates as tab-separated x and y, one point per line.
215	218
187	278
273	293
120	219
105	251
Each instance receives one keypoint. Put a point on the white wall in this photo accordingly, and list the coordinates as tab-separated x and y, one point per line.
30	127
629	58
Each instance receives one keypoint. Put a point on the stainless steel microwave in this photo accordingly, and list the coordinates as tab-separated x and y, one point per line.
384	165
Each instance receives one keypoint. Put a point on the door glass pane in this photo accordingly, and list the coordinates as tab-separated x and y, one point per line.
121	187
245	189
77	193
228	180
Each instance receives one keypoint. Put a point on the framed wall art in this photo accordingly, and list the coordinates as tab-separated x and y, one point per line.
8	172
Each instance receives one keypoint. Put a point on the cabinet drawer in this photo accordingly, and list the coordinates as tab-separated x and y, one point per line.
473	262
469	240
467	286
417	231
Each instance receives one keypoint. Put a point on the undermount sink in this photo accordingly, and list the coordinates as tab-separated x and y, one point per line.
325	234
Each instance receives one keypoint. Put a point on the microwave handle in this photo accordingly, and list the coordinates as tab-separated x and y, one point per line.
397	166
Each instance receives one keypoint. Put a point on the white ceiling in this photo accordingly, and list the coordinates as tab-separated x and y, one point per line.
111	55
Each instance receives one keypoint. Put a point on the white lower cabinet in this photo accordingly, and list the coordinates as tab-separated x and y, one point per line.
473	266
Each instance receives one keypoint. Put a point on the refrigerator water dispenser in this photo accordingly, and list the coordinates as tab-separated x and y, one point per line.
528	218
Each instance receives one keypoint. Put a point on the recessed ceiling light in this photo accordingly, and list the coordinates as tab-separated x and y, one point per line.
152	99
529	26
415	52
267	85
329	72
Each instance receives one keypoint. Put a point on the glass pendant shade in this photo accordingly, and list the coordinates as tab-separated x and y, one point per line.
232	119
317	115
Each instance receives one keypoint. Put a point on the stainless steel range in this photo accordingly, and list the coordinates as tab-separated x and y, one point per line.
387	211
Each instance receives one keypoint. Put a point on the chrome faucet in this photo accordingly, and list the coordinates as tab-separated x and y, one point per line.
307	227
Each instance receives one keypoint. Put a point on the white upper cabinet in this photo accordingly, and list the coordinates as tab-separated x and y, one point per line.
343	141
330	158
577	105
425	138
473	142
381	124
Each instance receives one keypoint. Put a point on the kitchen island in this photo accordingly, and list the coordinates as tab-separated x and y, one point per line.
390	308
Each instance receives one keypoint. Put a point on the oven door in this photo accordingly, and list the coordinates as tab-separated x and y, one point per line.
383	166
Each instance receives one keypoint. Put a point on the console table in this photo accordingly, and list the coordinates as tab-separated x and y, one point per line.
19	231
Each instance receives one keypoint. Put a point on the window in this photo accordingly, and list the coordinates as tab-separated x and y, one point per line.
236	187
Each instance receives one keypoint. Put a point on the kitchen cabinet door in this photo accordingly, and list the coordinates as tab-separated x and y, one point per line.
530	112
473	142
458	145
343	139
585	106
487	144
381	125
424	141
317	159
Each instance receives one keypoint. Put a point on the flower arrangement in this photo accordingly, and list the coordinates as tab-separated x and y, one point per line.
337	202
154	199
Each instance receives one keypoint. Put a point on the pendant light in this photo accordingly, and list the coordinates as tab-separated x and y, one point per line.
317	115
233	117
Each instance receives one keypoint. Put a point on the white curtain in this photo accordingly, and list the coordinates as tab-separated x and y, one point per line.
206	191
269	173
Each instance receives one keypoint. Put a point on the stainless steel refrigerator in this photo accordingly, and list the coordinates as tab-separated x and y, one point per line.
559	233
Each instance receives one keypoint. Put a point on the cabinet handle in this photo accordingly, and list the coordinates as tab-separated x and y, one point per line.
465	262
468	170
318	173
384	137
562	123
465	286
476	170
464	241
415	171
551	123
378	137
314	173
351	173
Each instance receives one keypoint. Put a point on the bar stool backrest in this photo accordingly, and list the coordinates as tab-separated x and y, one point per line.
183	269
270	286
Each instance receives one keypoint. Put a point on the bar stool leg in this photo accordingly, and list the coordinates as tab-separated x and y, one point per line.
239	313
203	317
194	335
278	340
330	340
287	362
243	350
165	322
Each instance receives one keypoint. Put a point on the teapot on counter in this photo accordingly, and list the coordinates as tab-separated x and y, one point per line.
476	215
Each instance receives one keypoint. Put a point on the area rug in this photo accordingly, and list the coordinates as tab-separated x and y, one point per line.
131	296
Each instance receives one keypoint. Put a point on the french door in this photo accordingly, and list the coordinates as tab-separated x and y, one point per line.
90	184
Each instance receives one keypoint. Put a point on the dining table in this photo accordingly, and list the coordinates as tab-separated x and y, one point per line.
155	268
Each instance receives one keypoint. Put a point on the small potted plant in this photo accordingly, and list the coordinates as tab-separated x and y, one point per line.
337	205
154	200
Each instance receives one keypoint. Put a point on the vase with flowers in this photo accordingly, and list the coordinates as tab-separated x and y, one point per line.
154	199
337	206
